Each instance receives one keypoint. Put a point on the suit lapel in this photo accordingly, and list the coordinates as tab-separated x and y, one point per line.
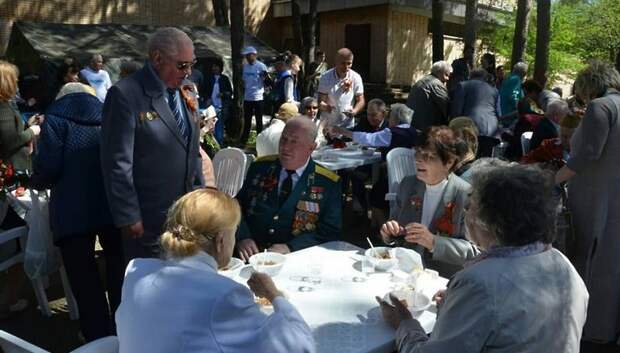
162	108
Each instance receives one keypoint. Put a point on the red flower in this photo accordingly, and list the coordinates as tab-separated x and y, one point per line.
416	202
444	223
270	183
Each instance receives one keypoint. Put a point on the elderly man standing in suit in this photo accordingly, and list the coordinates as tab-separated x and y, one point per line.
149	147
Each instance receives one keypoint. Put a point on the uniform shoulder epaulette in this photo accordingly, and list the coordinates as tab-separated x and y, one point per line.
269	158
326	173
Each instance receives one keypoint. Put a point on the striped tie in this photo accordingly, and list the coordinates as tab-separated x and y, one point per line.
176	112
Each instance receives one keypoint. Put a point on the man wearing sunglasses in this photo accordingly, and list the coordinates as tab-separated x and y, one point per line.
149	147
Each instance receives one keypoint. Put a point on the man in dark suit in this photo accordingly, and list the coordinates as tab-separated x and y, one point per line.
549	126
149	143
288	202
477	100
428	98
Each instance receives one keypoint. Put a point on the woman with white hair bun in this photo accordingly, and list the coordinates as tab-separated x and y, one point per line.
182	303
68	162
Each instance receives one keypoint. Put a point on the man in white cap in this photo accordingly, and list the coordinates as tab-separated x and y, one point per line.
254	73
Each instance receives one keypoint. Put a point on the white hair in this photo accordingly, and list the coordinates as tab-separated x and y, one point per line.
557	107
400	113
520	69
440	67
167	41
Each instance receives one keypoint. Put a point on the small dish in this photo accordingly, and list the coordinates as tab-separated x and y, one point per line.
415	301
381	257
268	262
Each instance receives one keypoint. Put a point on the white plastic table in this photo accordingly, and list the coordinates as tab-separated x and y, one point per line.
345	158
342	312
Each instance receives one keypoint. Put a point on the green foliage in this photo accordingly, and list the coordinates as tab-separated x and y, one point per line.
580	30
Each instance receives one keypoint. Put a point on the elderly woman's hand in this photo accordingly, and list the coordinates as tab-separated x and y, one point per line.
262	285
390	230
419	234
394	314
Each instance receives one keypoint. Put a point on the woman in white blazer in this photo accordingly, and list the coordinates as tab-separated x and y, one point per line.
181	304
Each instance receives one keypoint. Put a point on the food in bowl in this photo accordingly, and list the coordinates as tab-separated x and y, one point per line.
268	262
233	264
262	301
381	257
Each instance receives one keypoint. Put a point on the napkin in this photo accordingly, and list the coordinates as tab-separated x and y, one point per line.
408	260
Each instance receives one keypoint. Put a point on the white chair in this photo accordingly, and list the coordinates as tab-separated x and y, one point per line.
14	344
248	161
400	163
526	137
229	167
103	345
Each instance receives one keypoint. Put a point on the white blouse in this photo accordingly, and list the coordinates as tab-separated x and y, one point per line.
432	198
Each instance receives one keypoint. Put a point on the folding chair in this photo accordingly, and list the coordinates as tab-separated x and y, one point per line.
14	344
229	165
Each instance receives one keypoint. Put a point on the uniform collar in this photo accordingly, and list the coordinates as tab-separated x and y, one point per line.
300	171
200	261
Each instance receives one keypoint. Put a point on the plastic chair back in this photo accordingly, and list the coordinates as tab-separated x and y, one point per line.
526	137
14	344
103	345
19	234
400	163
229	167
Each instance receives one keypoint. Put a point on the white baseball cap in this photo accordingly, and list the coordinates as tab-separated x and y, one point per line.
249	50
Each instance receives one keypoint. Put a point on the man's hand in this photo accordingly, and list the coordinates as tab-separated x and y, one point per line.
440	297
280	248
247	248
394	314
262	285
134	231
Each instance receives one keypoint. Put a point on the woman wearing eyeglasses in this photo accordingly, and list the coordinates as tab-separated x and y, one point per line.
429	212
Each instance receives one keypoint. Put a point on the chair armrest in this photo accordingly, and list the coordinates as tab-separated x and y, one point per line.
13	234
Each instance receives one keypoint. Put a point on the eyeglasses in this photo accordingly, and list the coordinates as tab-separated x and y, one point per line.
184	65
312	107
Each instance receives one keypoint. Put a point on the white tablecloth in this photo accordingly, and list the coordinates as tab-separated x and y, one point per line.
345	158
343	313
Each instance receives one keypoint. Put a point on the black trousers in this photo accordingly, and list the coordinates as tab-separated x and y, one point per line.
78	255
251	108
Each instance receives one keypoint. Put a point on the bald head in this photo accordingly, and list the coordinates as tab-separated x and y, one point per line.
297	142
307	126
344	61
168	42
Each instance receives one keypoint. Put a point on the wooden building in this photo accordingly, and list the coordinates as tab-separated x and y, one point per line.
391	39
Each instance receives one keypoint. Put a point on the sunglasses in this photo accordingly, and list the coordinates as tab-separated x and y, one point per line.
184	65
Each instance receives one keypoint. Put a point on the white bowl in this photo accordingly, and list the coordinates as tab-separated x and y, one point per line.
381	264
268	262
416	301
233	267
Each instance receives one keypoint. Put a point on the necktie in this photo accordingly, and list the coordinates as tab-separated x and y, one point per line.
176	112
287	187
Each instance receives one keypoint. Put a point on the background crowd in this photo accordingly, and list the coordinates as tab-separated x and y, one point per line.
524	226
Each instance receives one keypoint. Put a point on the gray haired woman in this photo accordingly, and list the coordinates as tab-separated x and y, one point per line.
519	294
593	175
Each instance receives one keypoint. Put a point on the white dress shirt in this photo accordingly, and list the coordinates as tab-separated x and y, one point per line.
381	138
295	176
184	305
432	198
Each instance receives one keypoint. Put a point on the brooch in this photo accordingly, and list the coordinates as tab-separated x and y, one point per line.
148	116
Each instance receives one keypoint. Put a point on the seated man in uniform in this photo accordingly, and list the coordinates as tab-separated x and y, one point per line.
288	202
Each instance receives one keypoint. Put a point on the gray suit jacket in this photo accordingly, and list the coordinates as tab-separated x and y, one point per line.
450	251
478	101
527	304
429	100
146	163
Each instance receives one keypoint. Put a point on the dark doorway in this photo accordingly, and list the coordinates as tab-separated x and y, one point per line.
357	38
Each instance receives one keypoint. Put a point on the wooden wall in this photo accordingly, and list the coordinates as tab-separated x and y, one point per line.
139	12
332	36
409	53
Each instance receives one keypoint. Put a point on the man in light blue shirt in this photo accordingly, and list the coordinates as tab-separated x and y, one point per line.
254	73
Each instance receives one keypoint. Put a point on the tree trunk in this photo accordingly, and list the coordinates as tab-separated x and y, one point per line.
543	25
309	41
437	28
520	37
618	59
237	31
220	11
471	23
297	30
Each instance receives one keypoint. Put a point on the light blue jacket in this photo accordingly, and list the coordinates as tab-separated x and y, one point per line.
183	306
